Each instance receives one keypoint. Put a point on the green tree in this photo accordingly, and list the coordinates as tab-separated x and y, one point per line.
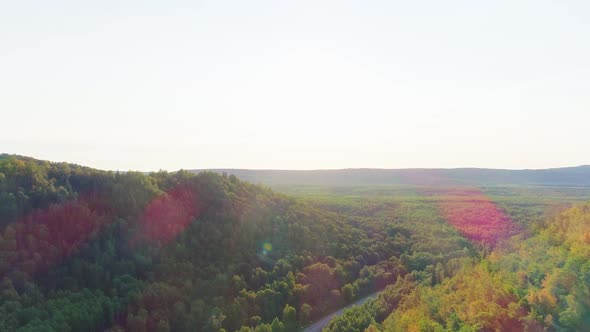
290	318
277	325
348	292
305	313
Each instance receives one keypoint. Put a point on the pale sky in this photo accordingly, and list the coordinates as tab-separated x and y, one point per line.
150	85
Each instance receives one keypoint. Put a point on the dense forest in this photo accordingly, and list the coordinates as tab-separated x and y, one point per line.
83	249
539	282
89	250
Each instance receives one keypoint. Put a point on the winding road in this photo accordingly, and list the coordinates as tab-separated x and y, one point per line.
320	324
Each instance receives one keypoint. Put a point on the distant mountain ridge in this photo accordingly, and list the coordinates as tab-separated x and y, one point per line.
565	176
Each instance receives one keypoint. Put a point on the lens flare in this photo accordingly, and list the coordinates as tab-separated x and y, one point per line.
168	215
266	247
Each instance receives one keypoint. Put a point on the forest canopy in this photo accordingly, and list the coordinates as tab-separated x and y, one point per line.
89	250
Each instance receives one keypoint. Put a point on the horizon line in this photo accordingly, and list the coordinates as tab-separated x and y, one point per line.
306	169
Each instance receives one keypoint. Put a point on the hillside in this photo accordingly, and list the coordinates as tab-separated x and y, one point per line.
539	283
88	250
83	249
567	176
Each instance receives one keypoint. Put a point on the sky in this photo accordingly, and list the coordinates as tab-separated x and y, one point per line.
149	85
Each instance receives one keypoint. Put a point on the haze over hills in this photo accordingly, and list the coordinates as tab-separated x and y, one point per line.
565	176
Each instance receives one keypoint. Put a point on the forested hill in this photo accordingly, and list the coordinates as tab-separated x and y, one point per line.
89	250
567	176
